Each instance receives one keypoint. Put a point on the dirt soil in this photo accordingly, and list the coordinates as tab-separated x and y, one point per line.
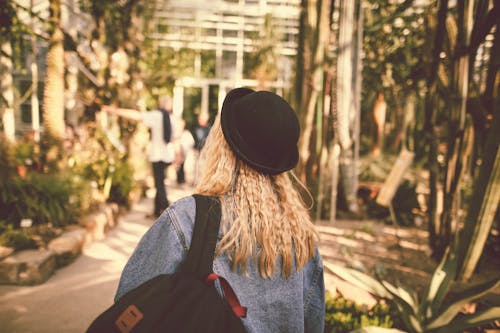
397	254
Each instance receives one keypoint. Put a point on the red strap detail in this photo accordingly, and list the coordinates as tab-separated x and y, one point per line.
229	294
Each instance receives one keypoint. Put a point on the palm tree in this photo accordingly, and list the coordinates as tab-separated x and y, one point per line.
53	97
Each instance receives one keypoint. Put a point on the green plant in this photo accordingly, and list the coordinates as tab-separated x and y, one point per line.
343	315
24	151
101	162
7	158
430	313
44	198
16	239
122	183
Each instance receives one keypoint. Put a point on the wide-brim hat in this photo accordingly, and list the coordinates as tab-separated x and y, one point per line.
262	129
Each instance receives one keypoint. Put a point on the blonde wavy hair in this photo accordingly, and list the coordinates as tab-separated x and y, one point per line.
263	216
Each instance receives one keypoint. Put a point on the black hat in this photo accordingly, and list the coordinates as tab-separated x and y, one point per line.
262	129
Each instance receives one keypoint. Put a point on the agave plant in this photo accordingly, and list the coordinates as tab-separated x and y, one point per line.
429	313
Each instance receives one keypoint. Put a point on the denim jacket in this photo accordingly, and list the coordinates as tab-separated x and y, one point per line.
295	304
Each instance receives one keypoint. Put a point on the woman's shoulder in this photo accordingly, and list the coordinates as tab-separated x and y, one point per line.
181	214
184	203
182	210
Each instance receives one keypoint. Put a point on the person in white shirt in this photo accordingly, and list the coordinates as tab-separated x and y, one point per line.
162	150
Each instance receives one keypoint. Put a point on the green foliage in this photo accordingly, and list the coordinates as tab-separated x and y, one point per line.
262	63
394	40
164	65
52	153
16	239
122	183
343	315
376	169
44	198
101	163
13	29
430	313
393	45
7	158
24	151
116	15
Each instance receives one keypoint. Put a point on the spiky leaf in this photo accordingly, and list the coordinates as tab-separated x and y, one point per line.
359	279
440	282
475	320
407	312
462	298
408	298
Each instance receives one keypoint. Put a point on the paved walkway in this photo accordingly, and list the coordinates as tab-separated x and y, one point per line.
77	293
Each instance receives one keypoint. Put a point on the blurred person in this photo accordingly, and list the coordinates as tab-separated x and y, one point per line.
163	134
267	247
201	130
184	143
200	135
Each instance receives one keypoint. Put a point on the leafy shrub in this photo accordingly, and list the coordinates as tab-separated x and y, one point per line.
16	239
44	198
24	151
104	163
7	158
343	315
122	183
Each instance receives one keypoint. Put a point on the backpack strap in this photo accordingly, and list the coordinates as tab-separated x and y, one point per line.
200	256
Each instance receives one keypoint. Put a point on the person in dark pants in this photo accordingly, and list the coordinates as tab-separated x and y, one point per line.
184	143
161	200
162	125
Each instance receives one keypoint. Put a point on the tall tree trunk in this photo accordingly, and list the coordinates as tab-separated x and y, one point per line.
378	113
454	168
409	122
35	105
399	119
346	106
302	54
317	30
53	97
493	69
7	89
429	125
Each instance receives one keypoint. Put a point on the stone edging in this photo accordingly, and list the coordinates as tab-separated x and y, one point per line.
30	267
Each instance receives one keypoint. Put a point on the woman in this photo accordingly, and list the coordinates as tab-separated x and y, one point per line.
267	247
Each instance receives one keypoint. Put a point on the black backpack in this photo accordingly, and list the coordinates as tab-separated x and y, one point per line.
185	301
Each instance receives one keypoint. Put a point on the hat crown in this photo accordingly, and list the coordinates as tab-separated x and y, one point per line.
263	118
262	129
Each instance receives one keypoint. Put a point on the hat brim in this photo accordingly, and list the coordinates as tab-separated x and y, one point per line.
240	147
